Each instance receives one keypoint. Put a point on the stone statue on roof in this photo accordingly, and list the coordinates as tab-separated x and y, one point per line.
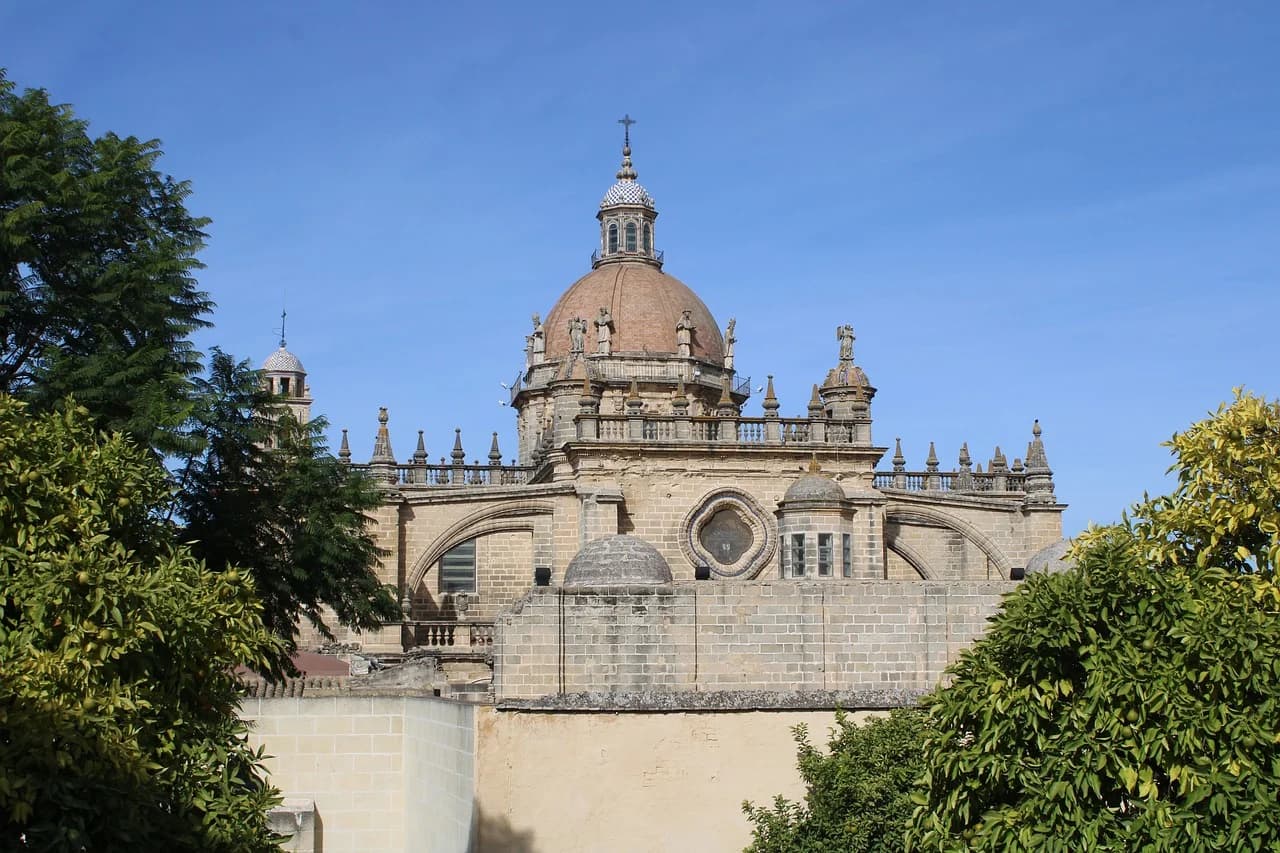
604	332
577	335
844	334
729	341
538	341
684	334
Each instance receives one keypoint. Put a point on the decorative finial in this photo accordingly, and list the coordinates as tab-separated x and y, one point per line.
899	461
420	455
457	455
344	450
627	172
1035	428
495	455
283	315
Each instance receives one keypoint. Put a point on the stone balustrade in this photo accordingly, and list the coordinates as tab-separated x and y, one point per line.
450	475
952	481
459	637
730	429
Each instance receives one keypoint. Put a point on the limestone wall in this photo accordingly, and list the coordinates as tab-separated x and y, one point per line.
385	772
780	636
635	782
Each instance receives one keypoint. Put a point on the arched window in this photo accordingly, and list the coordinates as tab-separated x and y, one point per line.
631	236
613	236
458	568
648	238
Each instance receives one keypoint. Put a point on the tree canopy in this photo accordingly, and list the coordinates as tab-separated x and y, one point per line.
117	649
857	793
292	513
97	260
1132	702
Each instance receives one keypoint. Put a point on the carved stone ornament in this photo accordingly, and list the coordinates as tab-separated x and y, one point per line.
730	533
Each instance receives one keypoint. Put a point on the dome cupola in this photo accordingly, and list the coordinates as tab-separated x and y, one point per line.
627	215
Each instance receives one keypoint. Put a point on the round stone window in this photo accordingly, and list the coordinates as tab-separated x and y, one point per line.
730	533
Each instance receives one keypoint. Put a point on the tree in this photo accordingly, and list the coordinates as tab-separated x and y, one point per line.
857	794
1132	702
118	728
292	513
97	256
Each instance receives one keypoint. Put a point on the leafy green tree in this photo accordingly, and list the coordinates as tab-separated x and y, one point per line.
97	255
263	492
858	793
1132	703
117	653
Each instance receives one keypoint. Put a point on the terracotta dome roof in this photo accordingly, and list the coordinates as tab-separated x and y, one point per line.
645	303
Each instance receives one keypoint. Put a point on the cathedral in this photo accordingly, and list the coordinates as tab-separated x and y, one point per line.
653	550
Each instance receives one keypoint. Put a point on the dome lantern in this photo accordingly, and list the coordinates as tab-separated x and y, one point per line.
627	215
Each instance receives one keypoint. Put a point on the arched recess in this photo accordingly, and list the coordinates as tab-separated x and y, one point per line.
927	515
498	519
914	560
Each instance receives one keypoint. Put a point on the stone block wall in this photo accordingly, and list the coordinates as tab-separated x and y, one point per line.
385	772
850	637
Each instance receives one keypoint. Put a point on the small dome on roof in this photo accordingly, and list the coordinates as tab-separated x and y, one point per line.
283	361
814	487
617	561
627	191
1051	559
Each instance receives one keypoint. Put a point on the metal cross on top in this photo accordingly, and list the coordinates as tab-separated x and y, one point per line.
626	121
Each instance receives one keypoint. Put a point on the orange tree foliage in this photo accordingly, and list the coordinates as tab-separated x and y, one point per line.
117	694
1132	703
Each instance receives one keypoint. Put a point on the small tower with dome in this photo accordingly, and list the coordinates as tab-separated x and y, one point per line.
284	376
627	215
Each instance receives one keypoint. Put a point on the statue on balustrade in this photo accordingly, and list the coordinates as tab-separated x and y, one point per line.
604	332
539	348
577	335
729	341
684	334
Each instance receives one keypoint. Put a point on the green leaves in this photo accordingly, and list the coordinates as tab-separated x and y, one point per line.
859	794
97	260
1130	703
117	652
292	515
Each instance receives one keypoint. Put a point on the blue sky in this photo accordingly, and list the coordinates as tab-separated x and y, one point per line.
1058	211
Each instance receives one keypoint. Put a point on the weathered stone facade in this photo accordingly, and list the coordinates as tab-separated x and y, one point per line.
761	565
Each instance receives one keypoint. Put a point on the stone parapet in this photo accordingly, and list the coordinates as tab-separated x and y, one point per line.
782	637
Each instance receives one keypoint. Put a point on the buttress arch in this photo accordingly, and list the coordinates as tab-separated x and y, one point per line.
506	518
929	515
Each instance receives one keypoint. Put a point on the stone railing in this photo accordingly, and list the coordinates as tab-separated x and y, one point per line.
462	637
951	481
732	429
451	475
660	370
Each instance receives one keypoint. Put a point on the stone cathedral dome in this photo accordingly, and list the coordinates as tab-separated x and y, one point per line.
619	560
644	303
